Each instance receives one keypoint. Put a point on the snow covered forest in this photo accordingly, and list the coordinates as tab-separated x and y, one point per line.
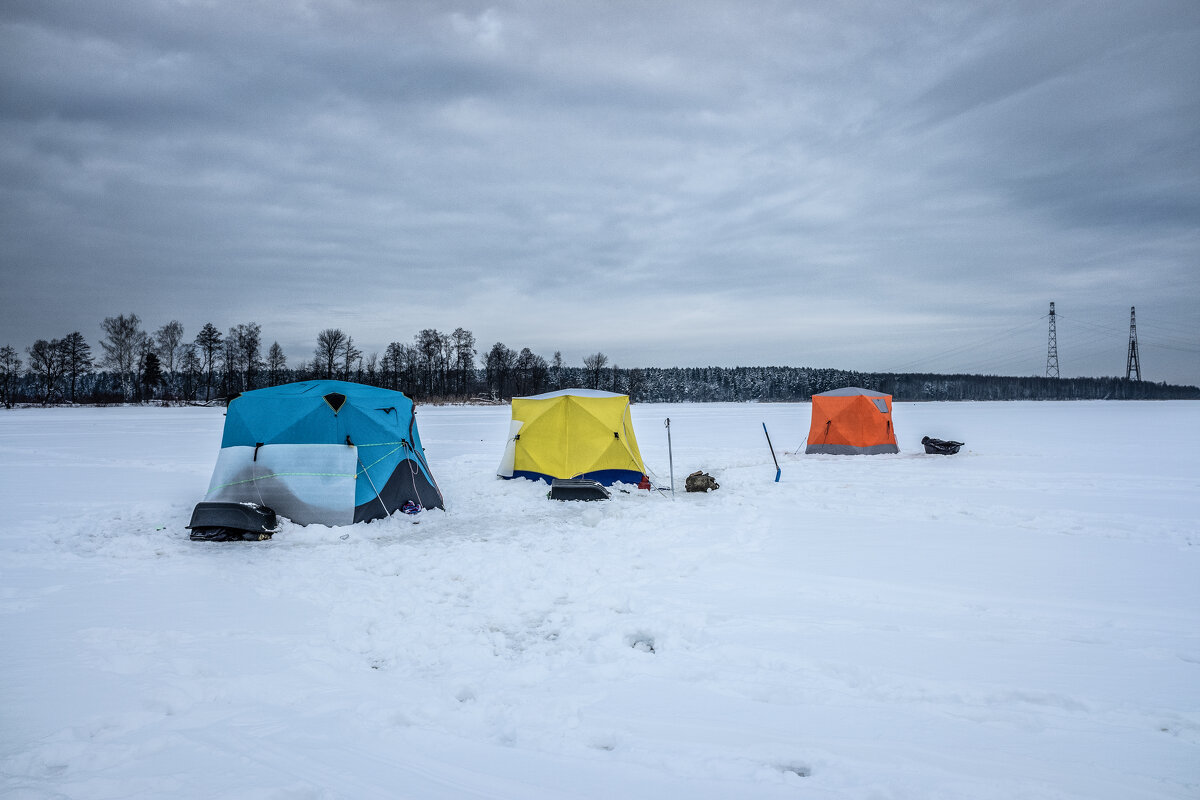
135	365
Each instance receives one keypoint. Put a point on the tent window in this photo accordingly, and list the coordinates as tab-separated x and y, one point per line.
881	404
335	401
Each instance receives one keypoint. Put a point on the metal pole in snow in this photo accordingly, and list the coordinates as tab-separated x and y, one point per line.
670	457
776	460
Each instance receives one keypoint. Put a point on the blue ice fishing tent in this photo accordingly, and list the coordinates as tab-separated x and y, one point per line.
325	452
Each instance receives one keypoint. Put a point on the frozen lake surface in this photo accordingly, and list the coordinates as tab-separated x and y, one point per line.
1021	620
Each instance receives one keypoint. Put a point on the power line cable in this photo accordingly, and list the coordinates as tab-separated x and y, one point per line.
1153	341
969	346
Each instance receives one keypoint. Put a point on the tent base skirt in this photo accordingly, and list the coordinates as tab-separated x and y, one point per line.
851	450
605	477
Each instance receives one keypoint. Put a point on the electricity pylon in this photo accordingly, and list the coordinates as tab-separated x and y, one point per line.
1052	348
1133	364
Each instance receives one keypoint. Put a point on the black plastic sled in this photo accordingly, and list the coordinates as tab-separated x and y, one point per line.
577	489
939	447
232	522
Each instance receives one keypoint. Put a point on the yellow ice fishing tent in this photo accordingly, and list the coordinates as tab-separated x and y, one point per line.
574	433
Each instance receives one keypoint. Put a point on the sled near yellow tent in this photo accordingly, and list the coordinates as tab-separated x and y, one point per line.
573	433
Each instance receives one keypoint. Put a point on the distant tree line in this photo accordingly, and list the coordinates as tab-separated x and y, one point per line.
164	366
134	365
789	384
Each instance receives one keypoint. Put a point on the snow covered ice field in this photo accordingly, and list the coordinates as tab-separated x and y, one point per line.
1021	620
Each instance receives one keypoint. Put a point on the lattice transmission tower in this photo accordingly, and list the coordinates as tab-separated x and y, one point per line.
1052	348
1133	364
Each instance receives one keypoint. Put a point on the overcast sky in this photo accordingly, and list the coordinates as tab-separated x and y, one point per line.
865	185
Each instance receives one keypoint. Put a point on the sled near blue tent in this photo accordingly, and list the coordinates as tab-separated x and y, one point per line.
324	452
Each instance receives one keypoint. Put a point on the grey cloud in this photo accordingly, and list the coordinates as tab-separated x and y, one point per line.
829	168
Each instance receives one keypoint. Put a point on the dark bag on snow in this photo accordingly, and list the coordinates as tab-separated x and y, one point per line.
940	447
700	481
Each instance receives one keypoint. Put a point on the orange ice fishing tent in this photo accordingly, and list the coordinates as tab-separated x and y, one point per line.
851	421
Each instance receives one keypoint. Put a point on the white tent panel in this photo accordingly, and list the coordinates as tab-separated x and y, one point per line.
508	461
306	483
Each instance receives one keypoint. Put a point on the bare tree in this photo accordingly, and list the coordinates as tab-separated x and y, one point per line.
230	367
498	367
530	372
247	342
331	343
351	358
208	343
445	364
166	343
190	370
77	360
539	374
147	388
464	359
521	369
388	368
122	344
276	364
373	369
556	370
430	351
46	365
594	364
396	365
410	378
10	370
